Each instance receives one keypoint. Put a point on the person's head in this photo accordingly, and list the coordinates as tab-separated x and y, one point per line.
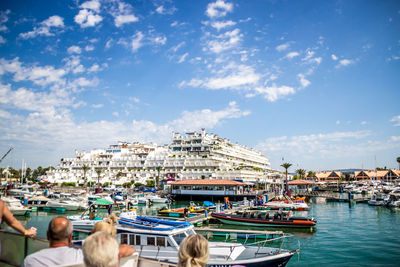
103	226
59	230
193	251
100	250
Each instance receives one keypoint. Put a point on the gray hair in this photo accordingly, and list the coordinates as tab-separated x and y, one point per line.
60	229
100	250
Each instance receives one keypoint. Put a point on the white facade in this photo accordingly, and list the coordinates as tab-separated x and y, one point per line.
191	156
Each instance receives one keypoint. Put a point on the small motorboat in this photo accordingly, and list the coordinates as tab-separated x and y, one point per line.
15	206
265	220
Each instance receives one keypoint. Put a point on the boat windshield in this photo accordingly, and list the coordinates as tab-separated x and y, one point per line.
180	236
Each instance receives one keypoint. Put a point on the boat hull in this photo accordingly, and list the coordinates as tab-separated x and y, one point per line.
239	220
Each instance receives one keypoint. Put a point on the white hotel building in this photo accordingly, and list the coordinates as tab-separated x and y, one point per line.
191	156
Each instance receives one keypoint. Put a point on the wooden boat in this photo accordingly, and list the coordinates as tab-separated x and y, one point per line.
265	221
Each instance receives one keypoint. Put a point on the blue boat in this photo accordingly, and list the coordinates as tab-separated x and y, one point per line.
145	225
174	223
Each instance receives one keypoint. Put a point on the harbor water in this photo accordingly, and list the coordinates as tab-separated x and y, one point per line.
357	235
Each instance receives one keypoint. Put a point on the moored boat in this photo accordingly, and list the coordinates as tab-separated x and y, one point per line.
265	221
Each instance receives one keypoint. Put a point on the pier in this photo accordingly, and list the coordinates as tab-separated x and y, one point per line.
337	197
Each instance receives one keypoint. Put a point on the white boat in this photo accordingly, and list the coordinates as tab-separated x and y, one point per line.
161	241
24	190
15	206
64	203
378	199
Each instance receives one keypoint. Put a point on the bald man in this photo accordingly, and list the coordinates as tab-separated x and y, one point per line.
59	234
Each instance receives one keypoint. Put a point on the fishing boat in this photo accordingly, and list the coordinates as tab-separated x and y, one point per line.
258	219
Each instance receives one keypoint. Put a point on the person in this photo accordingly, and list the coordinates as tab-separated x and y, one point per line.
59	233
108	227
6	215
100	250
185	212
193	252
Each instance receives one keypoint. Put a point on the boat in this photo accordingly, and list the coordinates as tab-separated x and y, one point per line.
15	206
23	190
163	221
257	219
276	205
142	225
64	204
378	199
164	246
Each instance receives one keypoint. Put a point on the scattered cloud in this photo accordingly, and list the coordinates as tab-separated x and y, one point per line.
396	120
364	123
218	8
97	105
87	16
219	25
74	50
344	62
45	28
123	19
334	57
282	47
225	41
292	55
303	81
182	58
273	93
89	48
136	41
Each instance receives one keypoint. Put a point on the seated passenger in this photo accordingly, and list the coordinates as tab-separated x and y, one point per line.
59	234
267	216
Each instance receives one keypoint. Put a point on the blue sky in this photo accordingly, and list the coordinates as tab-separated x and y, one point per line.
313	82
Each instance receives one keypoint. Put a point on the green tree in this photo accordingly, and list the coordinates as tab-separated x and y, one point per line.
311	174
85	168
98	171
286	166
301	173
398	161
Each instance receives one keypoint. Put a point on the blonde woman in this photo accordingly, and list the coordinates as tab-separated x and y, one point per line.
108	227
193	252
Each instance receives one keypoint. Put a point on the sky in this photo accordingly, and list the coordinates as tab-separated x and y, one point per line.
312	83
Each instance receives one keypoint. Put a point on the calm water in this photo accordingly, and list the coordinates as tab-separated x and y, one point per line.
345	236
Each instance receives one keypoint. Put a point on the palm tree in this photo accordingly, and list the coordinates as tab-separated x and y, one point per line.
286	165
98	171
85	169
301	173
311	174
398	161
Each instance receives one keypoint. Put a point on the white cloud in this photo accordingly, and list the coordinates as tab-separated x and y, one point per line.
93	5
304	82
4	19
109	43
225	41
334	57
97	105
218	9
39	75
222	24
89	48
292	55
396	120
282	47
44	28
178	46
364	123
136	42
344	62
274	92
183	57
395	138
160	9
329	144
206	118
337	122
74	50
123	19
231	77
160	40
2	40
87	17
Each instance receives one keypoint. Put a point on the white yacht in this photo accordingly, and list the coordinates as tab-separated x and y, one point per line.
67	204
378	199
15	206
